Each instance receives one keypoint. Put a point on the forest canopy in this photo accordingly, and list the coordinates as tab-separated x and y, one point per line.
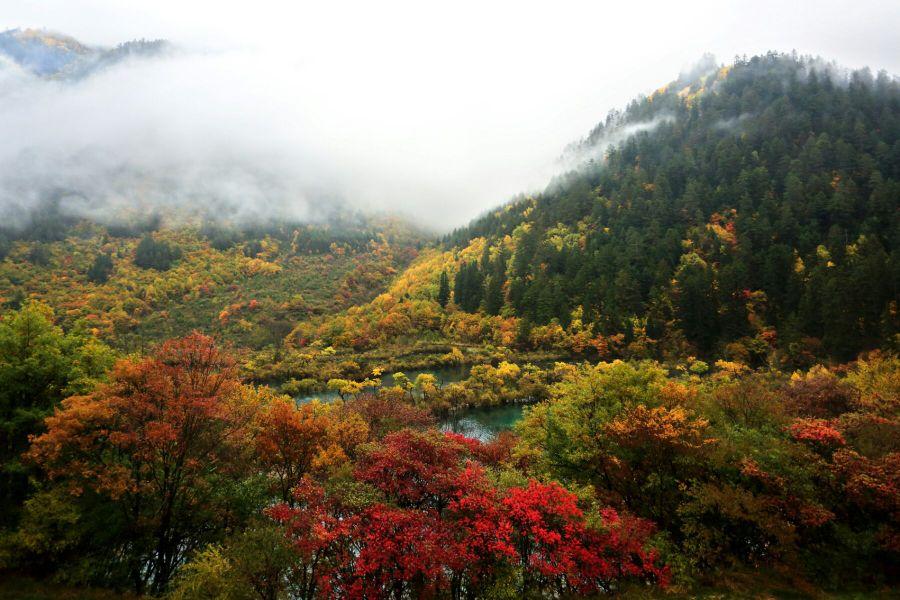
762	202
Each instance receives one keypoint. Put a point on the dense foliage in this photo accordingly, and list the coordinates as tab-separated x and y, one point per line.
760	199
40	364
174	477
747	469
155	254
747	213
129	287
146	474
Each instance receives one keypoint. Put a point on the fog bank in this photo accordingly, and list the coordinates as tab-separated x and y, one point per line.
438	113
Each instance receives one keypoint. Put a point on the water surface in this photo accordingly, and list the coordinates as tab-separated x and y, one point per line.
443	376
483	423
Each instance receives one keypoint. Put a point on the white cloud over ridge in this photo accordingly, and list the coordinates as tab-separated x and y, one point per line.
439	113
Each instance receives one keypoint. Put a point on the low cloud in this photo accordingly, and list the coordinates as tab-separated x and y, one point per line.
249	135
176	134
731	124
616	130
243	136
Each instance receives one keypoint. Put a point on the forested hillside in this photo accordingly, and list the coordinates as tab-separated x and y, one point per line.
752	207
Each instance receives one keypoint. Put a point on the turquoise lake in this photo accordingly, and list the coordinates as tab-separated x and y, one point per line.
480	423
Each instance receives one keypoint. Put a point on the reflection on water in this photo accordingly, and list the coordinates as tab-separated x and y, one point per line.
443	376
480	423
320	396
483	423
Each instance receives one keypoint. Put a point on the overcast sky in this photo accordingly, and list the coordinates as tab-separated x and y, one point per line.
440	110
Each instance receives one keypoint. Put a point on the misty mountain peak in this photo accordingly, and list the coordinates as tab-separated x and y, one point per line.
42	52
55	55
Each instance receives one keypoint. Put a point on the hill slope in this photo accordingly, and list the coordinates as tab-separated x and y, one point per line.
738	211
136	285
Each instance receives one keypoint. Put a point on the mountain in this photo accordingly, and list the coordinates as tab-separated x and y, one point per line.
754	204
54	55
747	211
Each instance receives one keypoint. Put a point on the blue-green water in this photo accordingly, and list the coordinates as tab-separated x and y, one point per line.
483	423
480	423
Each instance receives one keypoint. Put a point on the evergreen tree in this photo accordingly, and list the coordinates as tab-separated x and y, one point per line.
468	287
493	294
154	254
38	255
444	290
253	248
493	289
101	268
697	309
5	245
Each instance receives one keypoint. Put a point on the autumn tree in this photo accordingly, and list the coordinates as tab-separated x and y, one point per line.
258	562
294	440
384	416
561	435
651	453
819	393
438	526
162	451
316	526
40	364
415	469
560	554
441	521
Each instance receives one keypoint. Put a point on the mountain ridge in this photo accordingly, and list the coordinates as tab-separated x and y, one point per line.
758	221
49	54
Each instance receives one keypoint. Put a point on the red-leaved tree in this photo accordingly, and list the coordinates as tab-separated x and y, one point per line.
443	528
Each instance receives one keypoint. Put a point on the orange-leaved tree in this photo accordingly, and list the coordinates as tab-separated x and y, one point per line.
160	453
293	441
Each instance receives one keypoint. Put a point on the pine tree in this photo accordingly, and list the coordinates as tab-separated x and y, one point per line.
776	213
459	286
153	254
696	305
493	295
444	290
493	289
101	268
468	287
